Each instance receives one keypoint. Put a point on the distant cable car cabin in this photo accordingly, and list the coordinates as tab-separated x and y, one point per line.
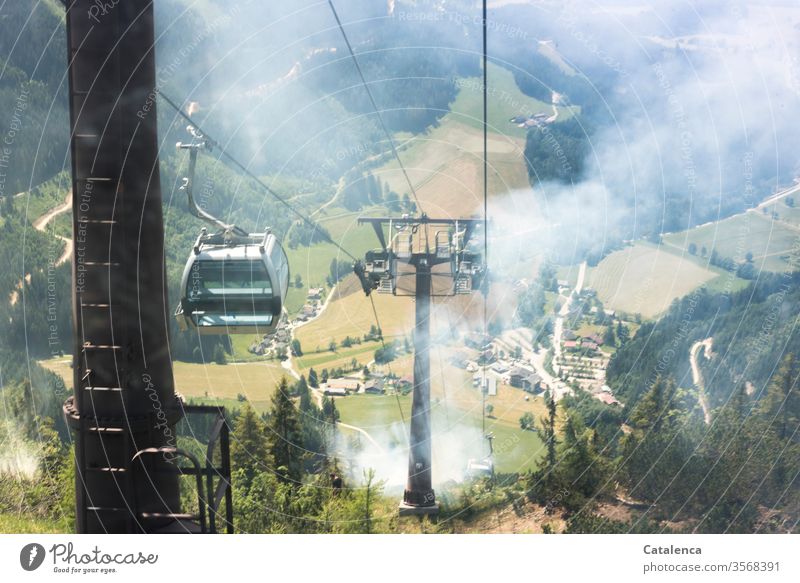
234	282
234	287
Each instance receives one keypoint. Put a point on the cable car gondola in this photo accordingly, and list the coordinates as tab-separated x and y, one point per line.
234	282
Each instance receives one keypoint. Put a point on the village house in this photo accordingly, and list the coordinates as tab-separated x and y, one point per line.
524	379
372	387
606	398
341	384
499	368
596	338
589	345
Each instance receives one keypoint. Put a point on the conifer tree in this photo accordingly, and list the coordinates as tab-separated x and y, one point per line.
285	437
249	445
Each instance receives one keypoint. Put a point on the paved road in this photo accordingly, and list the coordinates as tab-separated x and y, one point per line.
558	328
520	336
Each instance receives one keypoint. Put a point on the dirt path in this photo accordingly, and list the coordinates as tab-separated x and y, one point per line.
41	223
697	375
288	365
364	433
318	397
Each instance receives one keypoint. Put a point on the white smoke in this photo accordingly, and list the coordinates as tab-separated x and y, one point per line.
453	445
18	457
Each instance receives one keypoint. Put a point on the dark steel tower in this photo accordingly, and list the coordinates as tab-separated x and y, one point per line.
419	495
124	400
409	242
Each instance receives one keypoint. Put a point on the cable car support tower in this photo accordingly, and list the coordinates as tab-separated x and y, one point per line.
408	245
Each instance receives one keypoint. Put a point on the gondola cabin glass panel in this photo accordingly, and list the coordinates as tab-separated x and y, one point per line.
230	279
234	289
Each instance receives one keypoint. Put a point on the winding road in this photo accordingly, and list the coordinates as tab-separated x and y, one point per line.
697	375
41	223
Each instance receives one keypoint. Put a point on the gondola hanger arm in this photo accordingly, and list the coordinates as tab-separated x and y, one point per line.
199	143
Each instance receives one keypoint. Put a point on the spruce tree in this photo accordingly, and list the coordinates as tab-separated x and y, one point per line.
285	437
301	390
781	406
249	444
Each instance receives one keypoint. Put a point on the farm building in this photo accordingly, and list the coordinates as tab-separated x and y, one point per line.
490	388
606	398
333	391
524	379
499	368
314	293
349	385
596	338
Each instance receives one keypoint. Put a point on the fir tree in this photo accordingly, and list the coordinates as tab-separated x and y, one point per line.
285	437
249	445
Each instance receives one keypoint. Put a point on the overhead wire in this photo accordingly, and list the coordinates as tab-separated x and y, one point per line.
375	106
307	220
310	222
484	387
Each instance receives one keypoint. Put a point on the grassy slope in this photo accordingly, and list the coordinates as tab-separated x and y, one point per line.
645	278
209	382
770	241
505	102
14	524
